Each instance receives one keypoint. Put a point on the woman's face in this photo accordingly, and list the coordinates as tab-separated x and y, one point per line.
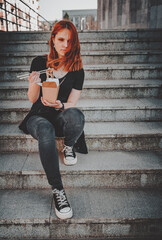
62	41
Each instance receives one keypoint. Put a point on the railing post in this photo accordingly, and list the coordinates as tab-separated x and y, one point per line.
17	26
6	15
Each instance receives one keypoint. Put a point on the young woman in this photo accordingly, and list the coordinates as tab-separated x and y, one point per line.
46	120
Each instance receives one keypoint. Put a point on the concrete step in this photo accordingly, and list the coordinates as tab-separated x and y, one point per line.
98	213
107	89
95	110
94	72
89	57
121	57
123	71
120	44
102	136
95	44
116	169
93	34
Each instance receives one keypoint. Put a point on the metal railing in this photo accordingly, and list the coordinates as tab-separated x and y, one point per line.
28	20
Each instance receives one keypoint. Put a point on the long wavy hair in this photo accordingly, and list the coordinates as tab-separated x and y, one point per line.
72	60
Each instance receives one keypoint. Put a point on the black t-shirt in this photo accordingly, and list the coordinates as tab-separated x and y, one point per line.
73	80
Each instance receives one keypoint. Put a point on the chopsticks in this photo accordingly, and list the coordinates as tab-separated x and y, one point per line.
27	74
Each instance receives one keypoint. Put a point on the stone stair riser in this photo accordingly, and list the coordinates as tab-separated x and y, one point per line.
85	46
122	92
121	59
98	143
123	115
24	47
75	229
120	46
23	144
103	74
111	34
13	94
106	179
125	143
99	115
93	59
124	74
108	93
118	34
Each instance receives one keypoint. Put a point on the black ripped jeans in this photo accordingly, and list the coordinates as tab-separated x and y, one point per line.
69	124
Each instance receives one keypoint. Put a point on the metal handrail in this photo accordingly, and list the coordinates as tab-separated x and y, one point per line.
19	9
34	11
17	23
27	19
15	15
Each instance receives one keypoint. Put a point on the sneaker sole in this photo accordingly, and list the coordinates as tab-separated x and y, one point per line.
69	163
64	215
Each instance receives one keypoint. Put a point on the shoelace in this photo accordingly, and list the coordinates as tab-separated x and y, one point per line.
68	150
61	198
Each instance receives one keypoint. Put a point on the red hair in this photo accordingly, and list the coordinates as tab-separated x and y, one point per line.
72	59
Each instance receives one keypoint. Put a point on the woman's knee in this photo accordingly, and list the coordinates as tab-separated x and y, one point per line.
74	116
45	129
41	127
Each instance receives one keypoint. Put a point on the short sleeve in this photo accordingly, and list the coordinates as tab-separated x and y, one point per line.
79	79
38	63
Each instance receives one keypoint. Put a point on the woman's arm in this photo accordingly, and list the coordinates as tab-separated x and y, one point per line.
71	102
73	98
34	89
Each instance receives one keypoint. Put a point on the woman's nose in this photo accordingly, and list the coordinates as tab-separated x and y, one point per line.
66	43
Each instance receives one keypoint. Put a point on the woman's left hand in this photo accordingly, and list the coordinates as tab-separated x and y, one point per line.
56	105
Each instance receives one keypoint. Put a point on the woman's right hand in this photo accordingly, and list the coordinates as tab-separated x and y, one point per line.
34	77
34	89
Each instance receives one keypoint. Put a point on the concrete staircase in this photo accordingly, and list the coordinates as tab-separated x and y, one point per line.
115	190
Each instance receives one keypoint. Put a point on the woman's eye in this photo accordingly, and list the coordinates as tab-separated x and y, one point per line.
61	39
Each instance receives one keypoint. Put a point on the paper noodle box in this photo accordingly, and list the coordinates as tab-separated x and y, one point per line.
50	89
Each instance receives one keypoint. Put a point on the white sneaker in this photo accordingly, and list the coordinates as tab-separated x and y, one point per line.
70	157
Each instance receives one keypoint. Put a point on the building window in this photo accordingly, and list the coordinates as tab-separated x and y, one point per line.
12	9
1	21
20	13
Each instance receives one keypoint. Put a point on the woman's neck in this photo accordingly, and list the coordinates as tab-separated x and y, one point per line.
60	72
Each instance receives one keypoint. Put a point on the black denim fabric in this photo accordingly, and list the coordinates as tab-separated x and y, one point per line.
68	124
